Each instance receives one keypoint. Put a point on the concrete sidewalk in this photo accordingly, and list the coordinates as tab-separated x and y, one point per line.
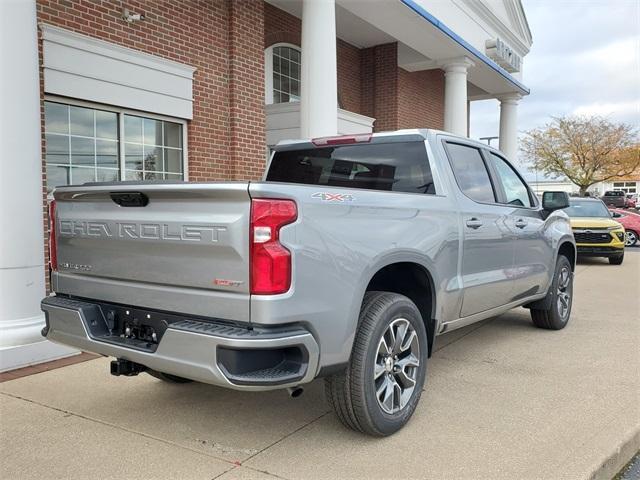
503	400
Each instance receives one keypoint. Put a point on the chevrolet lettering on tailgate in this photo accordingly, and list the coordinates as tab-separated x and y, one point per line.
148	231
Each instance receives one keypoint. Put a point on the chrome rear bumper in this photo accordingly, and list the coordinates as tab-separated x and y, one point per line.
204	351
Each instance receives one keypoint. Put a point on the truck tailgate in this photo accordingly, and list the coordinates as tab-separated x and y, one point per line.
175	247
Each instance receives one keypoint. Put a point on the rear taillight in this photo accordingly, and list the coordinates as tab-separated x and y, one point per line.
53	248
270	260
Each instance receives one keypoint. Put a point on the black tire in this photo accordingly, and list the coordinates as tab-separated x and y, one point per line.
631	238
167	377
557	315
352	393
617	260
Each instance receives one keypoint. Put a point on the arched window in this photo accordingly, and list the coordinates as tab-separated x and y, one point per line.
282	73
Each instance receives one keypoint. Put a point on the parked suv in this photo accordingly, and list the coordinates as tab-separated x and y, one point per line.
615	198
596	233
344	263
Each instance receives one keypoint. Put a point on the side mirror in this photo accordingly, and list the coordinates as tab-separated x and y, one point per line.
554	201
615	215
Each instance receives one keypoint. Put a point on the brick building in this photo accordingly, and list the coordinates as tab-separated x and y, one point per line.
111	90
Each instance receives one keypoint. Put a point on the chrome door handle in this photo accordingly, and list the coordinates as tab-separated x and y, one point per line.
474	223
520	223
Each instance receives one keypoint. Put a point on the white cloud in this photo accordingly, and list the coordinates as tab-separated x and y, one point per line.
618	109
618	54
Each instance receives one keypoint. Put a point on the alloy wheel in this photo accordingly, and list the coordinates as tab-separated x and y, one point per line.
630	238
397	365
564	292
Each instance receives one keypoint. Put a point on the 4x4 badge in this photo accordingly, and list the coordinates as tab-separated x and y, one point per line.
334	197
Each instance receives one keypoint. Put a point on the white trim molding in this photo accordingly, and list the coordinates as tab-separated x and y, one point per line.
516	35
283	122
87	68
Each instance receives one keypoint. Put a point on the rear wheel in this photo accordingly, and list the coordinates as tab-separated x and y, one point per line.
557	315
630	238
617	260
167	377
380	389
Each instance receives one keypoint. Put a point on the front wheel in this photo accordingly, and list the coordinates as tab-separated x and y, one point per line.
617	260
556	316
380	389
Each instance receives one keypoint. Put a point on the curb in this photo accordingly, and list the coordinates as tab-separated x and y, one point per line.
624	452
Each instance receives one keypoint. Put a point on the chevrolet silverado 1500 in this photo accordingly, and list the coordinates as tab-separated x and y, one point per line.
345	262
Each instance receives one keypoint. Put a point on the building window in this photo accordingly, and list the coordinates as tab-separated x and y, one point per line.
87	144
626	187
152	149
282	74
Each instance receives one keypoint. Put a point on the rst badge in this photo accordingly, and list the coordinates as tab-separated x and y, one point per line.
334	197
75	266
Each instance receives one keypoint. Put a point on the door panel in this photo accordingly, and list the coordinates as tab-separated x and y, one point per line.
532	251
488	249
487	259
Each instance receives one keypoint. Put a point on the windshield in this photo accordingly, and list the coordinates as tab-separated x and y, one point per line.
580	208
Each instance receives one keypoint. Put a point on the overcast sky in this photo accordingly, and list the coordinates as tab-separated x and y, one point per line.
585	59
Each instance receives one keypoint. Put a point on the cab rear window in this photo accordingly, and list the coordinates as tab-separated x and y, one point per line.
398	167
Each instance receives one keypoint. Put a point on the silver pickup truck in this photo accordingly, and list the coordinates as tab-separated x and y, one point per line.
344	263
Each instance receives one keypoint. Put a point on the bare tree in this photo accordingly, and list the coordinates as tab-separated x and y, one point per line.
586	150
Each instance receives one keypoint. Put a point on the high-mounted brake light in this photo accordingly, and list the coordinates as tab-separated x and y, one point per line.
270	260
341	140
53	247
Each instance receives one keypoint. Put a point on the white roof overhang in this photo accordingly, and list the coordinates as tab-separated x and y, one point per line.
424	42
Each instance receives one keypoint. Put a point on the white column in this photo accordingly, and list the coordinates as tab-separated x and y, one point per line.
21	230
319	84
455	95
509	125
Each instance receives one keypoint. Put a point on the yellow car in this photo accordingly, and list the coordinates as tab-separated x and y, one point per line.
596	233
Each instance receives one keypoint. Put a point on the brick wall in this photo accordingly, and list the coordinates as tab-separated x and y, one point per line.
379	68
280	27
421	99
349	77
246	89
203	34
397	98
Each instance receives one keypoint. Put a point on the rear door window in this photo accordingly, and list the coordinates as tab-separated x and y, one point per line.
397	167
471	172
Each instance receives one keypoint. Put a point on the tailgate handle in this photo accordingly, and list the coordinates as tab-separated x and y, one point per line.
130	199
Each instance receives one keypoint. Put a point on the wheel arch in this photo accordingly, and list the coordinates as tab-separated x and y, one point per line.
414	281
568	249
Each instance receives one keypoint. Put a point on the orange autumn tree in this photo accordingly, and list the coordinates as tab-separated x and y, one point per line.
586	150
